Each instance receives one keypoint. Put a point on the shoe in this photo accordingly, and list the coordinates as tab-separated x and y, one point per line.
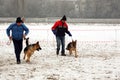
57	52
63	55
18	62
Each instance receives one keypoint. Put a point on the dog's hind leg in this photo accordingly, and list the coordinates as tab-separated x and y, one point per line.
28	58
24	55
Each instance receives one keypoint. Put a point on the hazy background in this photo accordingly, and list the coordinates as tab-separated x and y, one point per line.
56	8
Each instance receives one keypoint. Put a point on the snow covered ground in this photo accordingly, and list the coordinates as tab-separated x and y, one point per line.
97	46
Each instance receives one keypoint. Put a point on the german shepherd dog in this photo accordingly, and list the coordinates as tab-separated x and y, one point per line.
30	48
72	47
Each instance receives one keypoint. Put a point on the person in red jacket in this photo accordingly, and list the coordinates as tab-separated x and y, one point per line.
59	29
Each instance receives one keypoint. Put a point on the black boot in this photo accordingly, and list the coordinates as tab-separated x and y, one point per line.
63	53
18	61
57	52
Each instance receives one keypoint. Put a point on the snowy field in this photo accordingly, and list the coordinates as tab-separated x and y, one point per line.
97	46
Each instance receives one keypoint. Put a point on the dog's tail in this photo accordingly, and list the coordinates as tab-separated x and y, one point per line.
27	41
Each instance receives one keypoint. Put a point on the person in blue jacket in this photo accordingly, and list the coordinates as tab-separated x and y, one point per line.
19	31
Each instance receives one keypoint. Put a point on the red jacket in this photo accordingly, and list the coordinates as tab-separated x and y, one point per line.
60	28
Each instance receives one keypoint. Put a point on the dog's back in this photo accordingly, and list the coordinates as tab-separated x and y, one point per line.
69	46
27	45
29	50
72	47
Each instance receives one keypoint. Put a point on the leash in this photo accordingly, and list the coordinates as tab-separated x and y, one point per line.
10	40
72	38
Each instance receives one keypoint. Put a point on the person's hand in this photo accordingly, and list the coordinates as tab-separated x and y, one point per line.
10	37
54	32
68	32
24	36
70	35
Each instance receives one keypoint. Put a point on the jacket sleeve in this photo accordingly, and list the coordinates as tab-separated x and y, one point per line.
25	29
68	32
54	28
8	29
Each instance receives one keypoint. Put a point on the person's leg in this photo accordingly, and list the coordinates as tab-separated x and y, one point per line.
63	46
58	44
20	43
16	47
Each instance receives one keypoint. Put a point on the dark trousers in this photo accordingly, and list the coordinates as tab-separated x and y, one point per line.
18	45
60	41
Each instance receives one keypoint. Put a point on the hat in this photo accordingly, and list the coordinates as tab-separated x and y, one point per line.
64	18
18	20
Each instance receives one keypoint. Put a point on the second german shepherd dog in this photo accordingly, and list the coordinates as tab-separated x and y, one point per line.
30	48
72	47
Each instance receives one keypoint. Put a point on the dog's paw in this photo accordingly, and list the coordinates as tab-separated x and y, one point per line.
76	56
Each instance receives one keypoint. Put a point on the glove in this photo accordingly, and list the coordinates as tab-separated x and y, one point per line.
69	34
10	37
54	32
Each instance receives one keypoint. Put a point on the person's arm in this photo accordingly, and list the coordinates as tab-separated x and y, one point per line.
54	28
67	31
8	31
26	30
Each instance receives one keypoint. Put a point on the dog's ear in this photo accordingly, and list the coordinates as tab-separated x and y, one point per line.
27	38
75	41
37	42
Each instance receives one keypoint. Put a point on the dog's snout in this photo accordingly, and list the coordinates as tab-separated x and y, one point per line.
40	48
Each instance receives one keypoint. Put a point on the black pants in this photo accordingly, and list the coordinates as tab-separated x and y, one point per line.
18	45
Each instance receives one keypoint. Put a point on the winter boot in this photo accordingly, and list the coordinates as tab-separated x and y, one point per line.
63	53
57	52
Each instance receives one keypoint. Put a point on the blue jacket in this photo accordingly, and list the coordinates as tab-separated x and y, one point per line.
17	31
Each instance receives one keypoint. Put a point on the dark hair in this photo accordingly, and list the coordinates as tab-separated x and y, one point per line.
64	18
18	20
